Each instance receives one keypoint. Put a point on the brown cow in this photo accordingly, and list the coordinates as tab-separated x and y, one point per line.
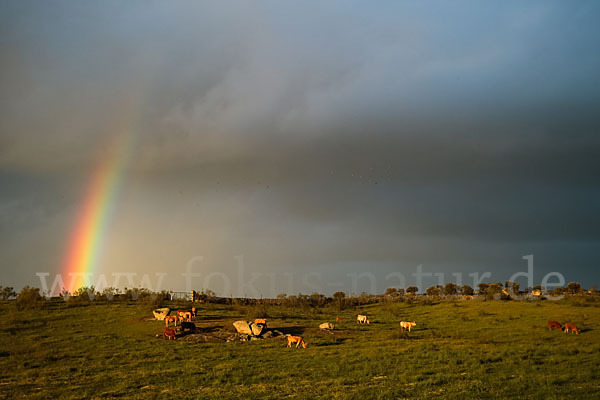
554	325
339	319
572	327
261	321
169	333
172	318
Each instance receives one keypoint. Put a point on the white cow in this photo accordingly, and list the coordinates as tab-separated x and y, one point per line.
361	319
407	325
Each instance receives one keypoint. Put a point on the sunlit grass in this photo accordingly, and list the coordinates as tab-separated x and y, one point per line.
476	349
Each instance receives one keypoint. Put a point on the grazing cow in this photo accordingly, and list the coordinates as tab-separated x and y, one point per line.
183	314
169	333
338	319
296	339
554	325
188	325
261	321
172	318
362	319
572	328
407	325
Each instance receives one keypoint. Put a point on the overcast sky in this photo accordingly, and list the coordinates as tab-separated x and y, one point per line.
315	139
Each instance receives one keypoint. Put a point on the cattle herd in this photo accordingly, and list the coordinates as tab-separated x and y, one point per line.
184	318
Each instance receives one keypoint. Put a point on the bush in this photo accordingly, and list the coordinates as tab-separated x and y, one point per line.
108	294
483	287
339	298
432	291
574	287
495	292
467	290
253	312
29	298
82	296
450	289
7	293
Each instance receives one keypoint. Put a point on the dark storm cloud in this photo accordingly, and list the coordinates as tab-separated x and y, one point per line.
461	127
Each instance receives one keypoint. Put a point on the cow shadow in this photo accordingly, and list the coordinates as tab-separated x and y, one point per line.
209	329
204	318
290	330
336	342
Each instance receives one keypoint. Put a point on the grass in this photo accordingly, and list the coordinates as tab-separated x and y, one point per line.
458	349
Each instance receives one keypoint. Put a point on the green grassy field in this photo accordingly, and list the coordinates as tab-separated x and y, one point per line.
459	349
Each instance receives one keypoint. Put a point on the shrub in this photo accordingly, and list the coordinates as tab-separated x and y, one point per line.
495	292
108	294
253	312
432	291
82	296
450	289
7	293
426	302
483	287
339	298
29	298
467	290
512	287
574	287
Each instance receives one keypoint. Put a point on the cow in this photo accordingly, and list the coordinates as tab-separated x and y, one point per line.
188	325
572	328
184	314
407	325
361	319
554	325
172	318
339	319
295	339
169	333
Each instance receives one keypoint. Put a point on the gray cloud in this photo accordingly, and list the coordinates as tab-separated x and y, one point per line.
305	134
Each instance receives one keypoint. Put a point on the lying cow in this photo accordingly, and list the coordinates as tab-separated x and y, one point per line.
407	325
362	319
169	333
296	339
189	326
339	319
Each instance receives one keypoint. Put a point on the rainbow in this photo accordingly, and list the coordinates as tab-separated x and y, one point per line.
85	243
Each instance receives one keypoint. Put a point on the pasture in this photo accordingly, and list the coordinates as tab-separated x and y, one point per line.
458	349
